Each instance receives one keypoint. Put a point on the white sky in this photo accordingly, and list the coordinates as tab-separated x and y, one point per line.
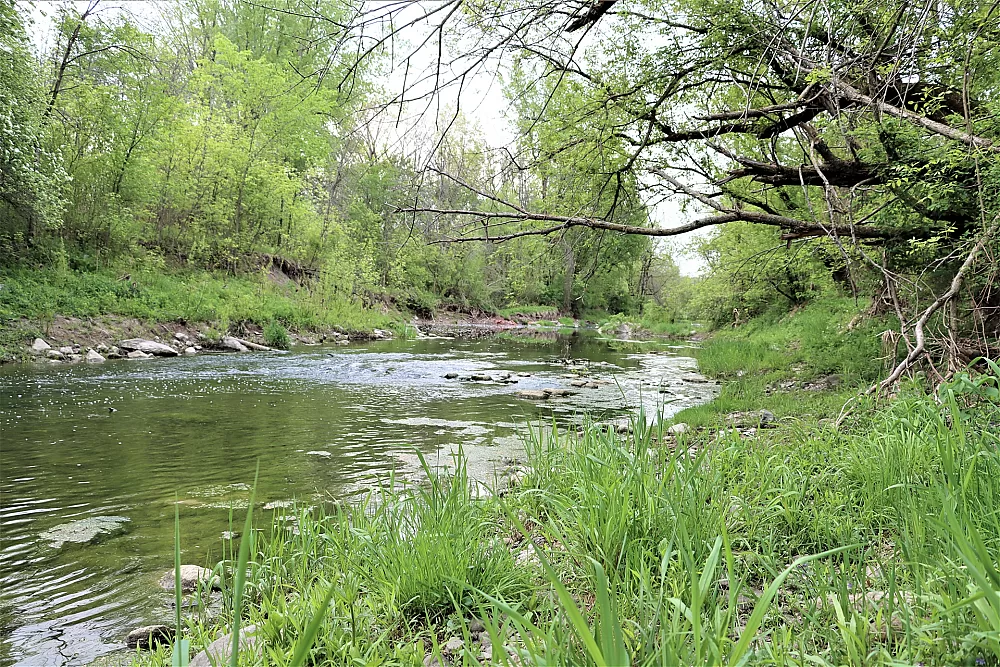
482	100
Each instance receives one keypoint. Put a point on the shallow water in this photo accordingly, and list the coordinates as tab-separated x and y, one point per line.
127	440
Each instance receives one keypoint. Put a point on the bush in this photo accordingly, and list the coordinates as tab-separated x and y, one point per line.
276	336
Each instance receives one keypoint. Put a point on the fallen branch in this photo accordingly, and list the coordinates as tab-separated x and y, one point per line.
956	285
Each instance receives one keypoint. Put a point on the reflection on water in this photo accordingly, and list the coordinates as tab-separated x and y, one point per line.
85	448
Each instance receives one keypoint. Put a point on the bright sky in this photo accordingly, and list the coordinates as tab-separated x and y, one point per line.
482	101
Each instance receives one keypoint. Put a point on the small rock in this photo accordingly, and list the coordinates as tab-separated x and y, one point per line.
381	334
694	378
191	576
67	349
450	376
677	429
94	357
148	636
431	661
75	357
481	377
578	383
454	645
476	626
181	336
139	354
40	346
189	351
55	354
532	394
219	651
102	348
114	352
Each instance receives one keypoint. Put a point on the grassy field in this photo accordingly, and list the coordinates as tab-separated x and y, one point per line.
30	300
803	544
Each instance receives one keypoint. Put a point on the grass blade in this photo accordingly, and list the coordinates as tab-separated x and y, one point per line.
240	577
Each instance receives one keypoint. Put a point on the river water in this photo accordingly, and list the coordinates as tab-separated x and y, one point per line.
129	439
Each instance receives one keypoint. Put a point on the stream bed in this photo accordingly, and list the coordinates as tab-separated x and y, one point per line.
108	450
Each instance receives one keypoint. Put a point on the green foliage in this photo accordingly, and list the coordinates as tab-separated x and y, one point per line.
276	335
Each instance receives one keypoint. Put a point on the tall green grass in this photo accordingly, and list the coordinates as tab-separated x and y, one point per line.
873	545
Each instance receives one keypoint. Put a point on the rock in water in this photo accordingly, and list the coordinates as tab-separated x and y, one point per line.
191	575
40	346
189	351
85	531
532	394
231	343
219	651
94	357
139	354
147	346
148	636
450	376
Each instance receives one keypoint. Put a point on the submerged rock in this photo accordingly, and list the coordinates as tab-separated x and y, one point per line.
191	576
147	346
219	651
85	531
148	636
40	346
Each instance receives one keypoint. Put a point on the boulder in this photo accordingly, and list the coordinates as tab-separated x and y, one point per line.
148	636
94	357
147	346
55	354
40	346
231	343
189	351
532	394
139	354
219	651
191	576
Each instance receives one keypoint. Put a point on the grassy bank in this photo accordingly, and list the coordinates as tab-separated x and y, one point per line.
31	301
800	544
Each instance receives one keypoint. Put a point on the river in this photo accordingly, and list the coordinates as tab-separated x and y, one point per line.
129	439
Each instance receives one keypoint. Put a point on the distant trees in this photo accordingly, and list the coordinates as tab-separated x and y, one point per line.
864	134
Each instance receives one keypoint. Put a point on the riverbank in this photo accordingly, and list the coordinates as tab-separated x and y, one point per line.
90	309
757	530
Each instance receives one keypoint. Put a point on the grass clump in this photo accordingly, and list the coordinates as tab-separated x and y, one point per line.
276	336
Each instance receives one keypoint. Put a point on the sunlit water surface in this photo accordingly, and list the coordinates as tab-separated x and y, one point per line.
132	438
